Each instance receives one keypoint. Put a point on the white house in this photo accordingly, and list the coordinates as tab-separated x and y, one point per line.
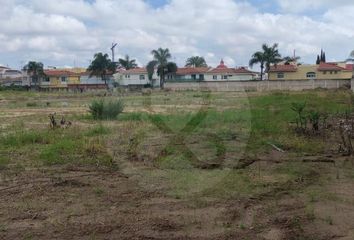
220	73
224	73
12	77
10	73
135	77
93	82
189	74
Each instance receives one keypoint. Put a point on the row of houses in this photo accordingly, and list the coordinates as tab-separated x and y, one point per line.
74	79
81	79
139	76
58	79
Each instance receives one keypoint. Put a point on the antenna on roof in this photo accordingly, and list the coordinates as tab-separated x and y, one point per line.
112	48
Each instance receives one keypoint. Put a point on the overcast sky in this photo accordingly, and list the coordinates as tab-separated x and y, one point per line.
69	32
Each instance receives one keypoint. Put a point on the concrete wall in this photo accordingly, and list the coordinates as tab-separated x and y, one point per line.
231	77
292	85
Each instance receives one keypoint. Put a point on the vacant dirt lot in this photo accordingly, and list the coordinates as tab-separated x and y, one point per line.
166	170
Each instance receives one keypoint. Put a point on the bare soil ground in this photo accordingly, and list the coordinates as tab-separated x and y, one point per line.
291	196
90	204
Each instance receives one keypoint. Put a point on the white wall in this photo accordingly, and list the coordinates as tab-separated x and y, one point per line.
86	79
131	79
238	77
289	85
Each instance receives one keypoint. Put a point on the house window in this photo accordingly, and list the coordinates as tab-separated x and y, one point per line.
63	79
46	79
311	75
280	75
127	76
335	72
225	77
330	72
215	77
142	77
325	72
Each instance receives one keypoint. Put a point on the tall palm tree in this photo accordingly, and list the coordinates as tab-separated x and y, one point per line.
196	61
127	63
267	57
258	58
35	71
272	55
102	66
289	60
161	62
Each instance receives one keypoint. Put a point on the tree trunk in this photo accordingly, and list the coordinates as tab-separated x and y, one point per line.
162	81
105	81
262	67
35	80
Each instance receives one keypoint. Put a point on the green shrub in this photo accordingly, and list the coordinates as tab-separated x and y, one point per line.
112	109
101	109
96	108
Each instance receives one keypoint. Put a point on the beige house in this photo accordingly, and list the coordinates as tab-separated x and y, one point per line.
323	71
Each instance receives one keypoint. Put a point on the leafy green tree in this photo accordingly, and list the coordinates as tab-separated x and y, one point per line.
102	66
127	63
267	57
318	61
162	64
35	71
196	61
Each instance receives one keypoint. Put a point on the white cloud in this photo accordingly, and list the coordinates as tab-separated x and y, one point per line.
59	33
311	5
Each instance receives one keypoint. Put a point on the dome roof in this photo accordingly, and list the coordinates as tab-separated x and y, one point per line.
222	64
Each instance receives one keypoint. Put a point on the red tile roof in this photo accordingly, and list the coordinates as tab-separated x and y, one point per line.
222	64
243	70
349	67
134	71
329	67
283	68
223	70
192	70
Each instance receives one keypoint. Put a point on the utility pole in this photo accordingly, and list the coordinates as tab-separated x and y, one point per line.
112	48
